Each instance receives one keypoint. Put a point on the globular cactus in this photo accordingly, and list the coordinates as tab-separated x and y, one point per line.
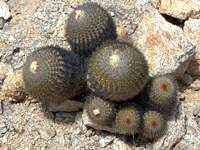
127	120
153	124
99	110
87	27
162	91
117	71
52	74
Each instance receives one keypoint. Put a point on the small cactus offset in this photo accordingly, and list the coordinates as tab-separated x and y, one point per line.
87	27
153	124
52	74
128	120
162	91
99	110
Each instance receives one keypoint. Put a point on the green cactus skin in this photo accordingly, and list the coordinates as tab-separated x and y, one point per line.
52	74
153	124
117	71
100	111
162	91
87	27
127	120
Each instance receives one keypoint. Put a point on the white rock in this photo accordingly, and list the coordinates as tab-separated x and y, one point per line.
4	11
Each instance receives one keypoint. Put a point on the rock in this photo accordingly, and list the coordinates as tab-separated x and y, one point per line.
192	32
180	9
3	129
79	121
155	3
74	3
4	11
13	88
121	31
181	96
50	31
196	111
120	145
193	68
89	133
106	141
192	138
61	33
68	106
2	22
65	117
164	45
47	133
176	130
6	69
195	85
0	105
187	79
89	123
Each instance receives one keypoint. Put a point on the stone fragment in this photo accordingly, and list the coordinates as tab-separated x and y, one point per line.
192	32
191	140
50	31
182	9
13	88
0	105
4	11
68	106
181	96
193	68
164	45
195	85
155	3
2	22
89	123
74	3
47	133
79	121
6	69
65	117
176	130
3	129
61	33
118	144
187	79
89	133
121	31
196	111
106	141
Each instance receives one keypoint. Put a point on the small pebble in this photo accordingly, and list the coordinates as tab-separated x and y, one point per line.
197	110
105	141
181	96
2	22
89	133
196	85
47	133
187	79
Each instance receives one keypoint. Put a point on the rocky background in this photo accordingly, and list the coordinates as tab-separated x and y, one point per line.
167	32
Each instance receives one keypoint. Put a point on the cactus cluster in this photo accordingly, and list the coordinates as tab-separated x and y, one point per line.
122	94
